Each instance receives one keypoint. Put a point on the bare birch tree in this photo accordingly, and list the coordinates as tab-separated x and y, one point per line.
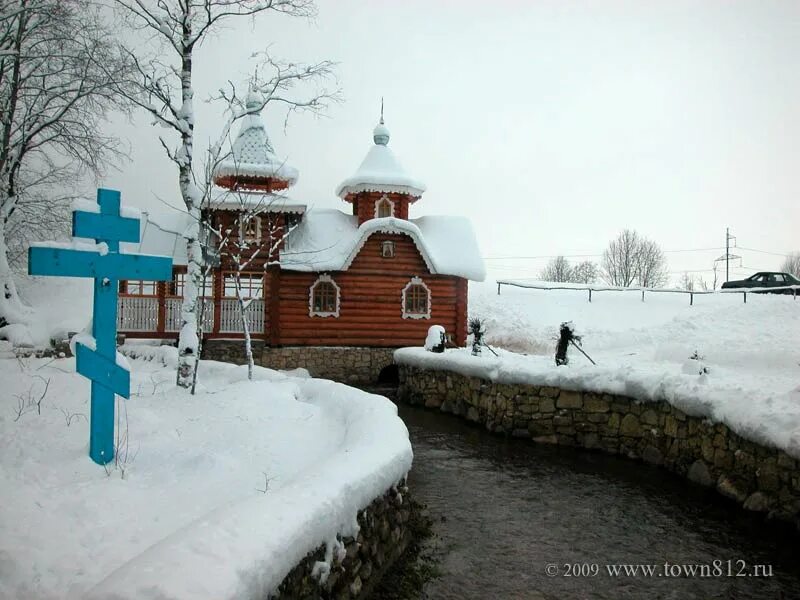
252	210
243	253
60	74
557	270
164	80
631	258
620	259
791	264
687	282
651	265
584	272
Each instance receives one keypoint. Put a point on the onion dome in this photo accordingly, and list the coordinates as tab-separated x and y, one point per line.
380	171
252	162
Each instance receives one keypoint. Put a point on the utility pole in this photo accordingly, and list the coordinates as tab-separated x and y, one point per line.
728	256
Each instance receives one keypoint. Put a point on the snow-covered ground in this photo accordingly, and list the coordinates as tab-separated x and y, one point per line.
751	351
223	492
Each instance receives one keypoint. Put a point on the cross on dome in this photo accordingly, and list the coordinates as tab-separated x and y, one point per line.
380	171
380	135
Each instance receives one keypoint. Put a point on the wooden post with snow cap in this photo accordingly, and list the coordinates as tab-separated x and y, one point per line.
96	356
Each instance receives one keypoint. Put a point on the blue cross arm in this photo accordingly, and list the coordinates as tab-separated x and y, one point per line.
112	228
66	262
102	370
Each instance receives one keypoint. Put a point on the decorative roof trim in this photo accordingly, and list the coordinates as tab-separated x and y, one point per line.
298	209
272	170
345	189
255	201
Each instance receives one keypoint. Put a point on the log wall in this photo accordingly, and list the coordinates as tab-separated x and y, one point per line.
370	310
364	204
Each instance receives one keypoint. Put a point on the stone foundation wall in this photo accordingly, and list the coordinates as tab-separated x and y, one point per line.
759	478
355	365
231	351
360	563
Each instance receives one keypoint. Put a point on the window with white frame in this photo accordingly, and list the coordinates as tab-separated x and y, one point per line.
137	287
416	300
251	285
250	229
387	249
384	208
324	297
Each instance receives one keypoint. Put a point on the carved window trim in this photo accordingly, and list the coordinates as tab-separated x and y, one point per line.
247	233
382	202
412	287
327	280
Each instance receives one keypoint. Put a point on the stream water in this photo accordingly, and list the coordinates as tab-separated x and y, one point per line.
514	520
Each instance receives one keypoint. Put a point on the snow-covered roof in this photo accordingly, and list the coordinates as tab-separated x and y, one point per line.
329	240
161	236
223	198
380	171
251	153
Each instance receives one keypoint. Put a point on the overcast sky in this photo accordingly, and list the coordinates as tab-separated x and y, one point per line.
552	125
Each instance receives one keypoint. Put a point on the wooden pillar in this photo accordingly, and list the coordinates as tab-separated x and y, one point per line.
161	292
461	312
274	309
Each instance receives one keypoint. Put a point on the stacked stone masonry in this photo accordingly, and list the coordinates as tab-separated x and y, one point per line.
759	478
354	365
384	534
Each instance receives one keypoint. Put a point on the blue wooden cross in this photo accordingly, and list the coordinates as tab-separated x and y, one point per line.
107	268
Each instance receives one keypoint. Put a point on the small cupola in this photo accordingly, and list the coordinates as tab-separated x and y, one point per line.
252	164
380	187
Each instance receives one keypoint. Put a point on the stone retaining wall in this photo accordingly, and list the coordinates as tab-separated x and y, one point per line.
355	365
760	478
361	561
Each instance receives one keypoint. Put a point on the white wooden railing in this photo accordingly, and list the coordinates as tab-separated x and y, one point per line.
230	318
140	313
173	314
137	313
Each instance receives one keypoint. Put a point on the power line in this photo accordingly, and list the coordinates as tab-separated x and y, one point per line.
762	251
542	256
590	255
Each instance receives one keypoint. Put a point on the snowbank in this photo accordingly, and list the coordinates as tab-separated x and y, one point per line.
222	494
749	355
753	344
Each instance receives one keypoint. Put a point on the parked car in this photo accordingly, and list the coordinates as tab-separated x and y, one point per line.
764	279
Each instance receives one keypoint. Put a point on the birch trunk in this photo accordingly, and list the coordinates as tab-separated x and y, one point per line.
248	344
188	341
